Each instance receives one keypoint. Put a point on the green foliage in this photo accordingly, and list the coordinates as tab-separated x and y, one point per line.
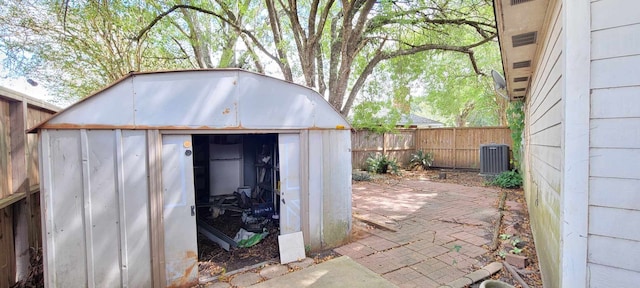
457	248
457	94
508	179
515	241
421	159
516	250
515	117
502	254
382	164
505	236
377	116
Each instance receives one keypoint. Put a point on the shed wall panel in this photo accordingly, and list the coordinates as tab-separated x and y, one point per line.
197	100
103	208
316	188
543	140
98	224
293	109
137	257
115	109
202	99
336	202
66	205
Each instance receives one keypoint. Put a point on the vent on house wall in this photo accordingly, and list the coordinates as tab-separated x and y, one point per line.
494	159
516	2
524	39
520	79
519	89
522	64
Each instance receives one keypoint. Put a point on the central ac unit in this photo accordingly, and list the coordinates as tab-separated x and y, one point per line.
494	159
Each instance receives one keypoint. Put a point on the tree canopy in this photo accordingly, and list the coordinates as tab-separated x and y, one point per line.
339	48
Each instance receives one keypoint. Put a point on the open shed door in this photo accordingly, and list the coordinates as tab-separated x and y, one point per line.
180	242
289	150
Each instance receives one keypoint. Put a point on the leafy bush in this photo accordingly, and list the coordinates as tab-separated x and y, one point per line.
382	164
421	159
508	179
360	176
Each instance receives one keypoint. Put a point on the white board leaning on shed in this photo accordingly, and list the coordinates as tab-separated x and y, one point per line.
117	175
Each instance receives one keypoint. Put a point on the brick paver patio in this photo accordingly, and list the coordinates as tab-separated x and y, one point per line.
441	230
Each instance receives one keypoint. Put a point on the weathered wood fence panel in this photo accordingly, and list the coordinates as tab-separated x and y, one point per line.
399	145
459	147
456	148
20	226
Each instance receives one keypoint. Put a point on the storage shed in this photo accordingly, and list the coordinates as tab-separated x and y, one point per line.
125	170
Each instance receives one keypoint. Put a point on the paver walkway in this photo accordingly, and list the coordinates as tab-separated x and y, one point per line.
440	230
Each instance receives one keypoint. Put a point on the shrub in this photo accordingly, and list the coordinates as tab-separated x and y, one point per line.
360	176
508	179
382	164
421	159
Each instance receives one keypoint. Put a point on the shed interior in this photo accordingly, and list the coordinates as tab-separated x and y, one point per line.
236	180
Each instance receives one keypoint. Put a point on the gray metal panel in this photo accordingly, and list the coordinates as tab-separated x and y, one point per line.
268	103
96	217
102	204
114	106
316	187
203	99
336	217
187	99
65	201
137	256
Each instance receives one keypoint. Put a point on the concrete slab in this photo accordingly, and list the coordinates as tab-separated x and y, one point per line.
246	279
274	271
338	272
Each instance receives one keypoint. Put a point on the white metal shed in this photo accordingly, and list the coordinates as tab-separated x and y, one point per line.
117	172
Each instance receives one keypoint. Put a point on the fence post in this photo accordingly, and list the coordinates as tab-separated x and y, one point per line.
455	150
24	226
384	144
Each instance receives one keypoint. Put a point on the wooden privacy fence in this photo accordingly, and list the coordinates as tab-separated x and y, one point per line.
20	226
457	148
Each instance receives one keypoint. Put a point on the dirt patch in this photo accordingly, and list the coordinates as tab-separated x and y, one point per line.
215	261
515	237
461	177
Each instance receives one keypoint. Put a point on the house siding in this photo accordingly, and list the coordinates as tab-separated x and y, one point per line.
543	144
614	182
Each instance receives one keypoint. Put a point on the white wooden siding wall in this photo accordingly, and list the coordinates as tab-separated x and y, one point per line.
614	200
544	135
96	198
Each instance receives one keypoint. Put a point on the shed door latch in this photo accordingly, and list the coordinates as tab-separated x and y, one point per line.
193	210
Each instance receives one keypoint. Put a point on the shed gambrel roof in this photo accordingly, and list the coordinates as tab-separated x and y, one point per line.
200	99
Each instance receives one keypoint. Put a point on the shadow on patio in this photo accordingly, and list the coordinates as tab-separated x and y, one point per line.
442	230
